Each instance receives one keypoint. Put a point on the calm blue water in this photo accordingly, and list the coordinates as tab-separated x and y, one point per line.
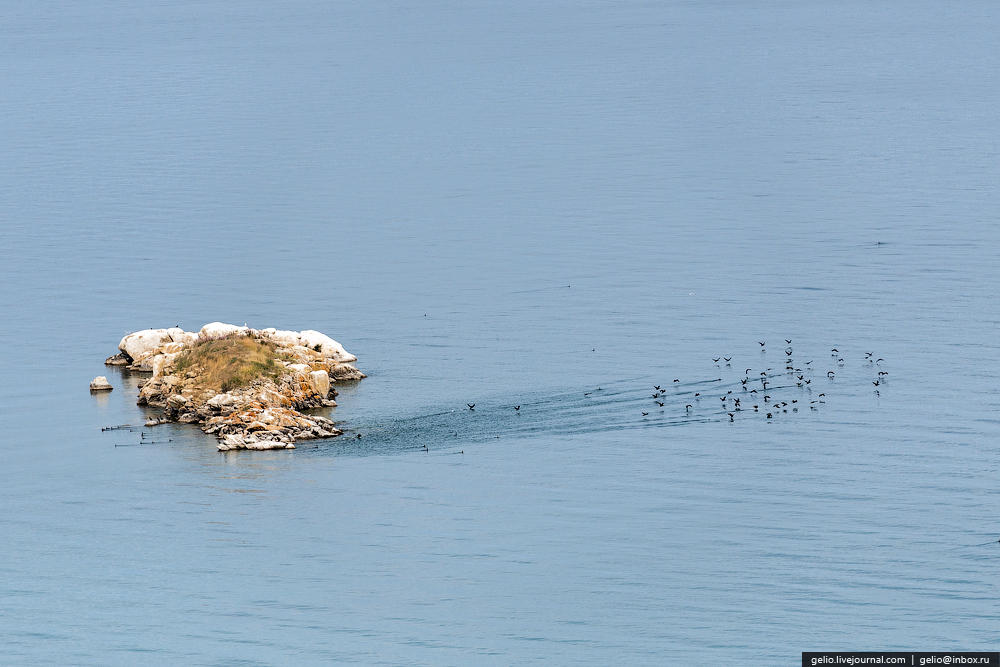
506	204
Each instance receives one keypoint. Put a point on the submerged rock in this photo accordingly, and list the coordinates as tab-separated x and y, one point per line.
245	386
100	383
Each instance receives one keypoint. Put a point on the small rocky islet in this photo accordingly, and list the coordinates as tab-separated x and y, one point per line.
245	386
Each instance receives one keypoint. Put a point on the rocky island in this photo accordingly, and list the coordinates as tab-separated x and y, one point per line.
245	386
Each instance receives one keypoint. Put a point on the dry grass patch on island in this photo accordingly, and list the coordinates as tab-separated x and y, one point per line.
231	362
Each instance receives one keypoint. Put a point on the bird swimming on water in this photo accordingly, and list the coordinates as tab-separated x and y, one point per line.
472	406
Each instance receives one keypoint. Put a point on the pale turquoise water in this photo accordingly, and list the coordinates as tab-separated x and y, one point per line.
506	205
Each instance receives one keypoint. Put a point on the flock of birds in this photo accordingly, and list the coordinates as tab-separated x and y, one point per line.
764	392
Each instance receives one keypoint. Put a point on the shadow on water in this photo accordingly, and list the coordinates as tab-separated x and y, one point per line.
621	405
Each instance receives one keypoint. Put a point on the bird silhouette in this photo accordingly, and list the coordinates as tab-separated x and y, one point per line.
660	403
517	407
644	414
472	406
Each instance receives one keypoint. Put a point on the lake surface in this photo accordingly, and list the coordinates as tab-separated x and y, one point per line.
556	206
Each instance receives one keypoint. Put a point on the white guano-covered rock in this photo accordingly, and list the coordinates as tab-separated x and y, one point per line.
181	336
328	347
216	329
282	337
100	383
140	343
